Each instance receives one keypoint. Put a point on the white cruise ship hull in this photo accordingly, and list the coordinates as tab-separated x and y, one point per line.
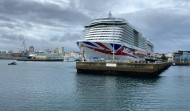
94	51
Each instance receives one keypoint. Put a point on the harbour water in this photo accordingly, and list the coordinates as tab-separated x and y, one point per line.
32	86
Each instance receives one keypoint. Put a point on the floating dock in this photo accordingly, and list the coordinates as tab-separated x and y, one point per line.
130	69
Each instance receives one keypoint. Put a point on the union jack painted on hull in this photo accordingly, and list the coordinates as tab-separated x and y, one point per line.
98	50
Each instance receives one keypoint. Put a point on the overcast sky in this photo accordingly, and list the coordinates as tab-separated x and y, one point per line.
47	24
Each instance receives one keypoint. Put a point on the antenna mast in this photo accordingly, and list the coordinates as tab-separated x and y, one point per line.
109	15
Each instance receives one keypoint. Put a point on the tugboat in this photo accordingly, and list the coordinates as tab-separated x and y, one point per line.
12	63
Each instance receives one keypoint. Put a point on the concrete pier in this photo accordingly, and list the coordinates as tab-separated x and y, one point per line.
182	63
131	69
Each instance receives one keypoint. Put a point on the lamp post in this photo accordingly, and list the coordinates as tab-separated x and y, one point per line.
113	42
83	54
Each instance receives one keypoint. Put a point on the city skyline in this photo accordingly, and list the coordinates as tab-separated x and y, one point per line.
54	23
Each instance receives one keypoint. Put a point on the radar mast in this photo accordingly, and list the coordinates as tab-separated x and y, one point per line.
109	15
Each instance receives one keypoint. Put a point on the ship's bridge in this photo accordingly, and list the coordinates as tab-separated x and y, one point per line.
107	21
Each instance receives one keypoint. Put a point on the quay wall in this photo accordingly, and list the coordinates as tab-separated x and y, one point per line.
182	63
132	69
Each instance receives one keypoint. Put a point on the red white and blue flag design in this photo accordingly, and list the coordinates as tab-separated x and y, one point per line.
107	48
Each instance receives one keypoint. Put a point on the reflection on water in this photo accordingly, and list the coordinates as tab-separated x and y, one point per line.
113	92
57	86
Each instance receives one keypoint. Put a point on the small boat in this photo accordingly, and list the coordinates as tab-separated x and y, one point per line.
12	63
69	59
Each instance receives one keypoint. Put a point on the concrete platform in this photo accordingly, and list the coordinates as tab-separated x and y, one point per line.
182	63
131	69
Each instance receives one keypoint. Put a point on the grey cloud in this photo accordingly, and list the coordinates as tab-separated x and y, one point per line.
8	25
97	8
66	37
7	19
12	37
13	41
21	16
166	28
70	37
161	23
182	1
54	38
162	27
16	25
37	11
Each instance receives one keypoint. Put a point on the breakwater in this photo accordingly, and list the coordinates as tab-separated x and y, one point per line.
25	59
131	69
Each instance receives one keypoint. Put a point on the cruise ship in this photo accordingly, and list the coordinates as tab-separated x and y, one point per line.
114	39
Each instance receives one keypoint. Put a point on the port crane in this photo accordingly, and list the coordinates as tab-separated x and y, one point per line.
25	55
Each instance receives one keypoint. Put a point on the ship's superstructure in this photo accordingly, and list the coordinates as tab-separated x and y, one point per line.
107	37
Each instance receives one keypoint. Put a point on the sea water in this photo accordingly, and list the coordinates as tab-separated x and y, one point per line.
56	86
